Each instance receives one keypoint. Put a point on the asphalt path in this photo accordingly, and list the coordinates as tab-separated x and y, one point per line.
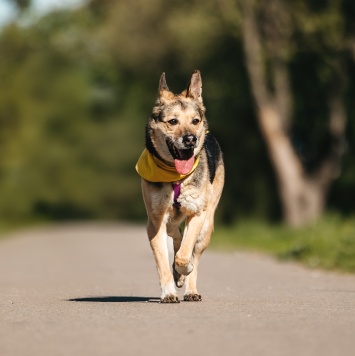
92	289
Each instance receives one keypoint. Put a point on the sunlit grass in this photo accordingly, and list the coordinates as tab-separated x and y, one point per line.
8	227
328	243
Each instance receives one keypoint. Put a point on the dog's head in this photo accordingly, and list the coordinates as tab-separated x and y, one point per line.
177	126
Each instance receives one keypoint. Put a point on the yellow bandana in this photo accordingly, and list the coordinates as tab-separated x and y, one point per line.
153	169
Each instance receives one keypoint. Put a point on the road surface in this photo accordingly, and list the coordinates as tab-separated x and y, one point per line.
92	289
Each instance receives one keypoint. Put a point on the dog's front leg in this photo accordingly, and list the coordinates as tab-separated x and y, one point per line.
174	231
158	241
194	224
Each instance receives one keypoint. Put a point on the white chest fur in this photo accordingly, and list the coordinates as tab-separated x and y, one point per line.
191	200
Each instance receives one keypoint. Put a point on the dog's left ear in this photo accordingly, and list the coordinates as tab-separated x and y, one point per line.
194	88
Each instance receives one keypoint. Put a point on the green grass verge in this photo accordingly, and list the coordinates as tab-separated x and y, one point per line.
328	244
7	227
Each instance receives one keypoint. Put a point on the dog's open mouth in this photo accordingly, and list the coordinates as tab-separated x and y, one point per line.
183	158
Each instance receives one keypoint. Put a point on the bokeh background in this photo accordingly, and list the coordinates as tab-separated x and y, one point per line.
77	84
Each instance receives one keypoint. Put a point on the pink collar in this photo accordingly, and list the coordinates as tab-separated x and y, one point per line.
177	189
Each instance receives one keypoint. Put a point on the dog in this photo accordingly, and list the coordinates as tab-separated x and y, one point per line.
182	174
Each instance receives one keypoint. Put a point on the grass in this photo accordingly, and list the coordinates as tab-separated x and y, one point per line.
328	243
7	227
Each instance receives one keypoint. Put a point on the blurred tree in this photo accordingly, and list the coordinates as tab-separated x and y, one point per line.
21	4
269	35
63	124
77	87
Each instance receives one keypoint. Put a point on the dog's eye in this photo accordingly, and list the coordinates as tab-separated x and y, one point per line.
195	121
173	121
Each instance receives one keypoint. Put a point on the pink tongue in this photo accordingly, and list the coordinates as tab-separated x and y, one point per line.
184	166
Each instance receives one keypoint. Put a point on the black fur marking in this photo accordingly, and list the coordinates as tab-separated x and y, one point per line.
201	112
182	104
157	185
157	116
149	144
213	153
197	177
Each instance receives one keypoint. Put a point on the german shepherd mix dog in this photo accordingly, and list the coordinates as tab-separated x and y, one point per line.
182	174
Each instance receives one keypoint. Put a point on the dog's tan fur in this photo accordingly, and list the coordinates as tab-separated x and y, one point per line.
199	193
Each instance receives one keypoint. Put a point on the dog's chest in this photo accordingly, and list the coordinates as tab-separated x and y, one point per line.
188	199
191	200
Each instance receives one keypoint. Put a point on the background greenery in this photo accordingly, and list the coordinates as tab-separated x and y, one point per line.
77	87
329	243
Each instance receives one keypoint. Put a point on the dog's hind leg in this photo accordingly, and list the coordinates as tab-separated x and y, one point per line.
191	293
158	242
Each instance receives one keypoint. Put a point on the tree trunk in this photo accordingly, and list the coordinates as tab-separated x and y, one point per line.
302	196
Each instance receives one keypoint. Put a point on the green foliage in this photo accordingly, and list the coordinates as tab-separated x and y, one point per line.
64	135
328	244
21	4
77	88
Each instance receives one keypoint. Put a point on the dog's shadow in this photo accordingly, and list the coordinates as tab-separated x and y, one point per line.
116	299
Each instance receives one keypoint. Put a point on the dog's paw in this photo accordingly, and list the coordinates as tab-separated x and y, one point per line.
170	298
192	298
184	269
178	278
183	265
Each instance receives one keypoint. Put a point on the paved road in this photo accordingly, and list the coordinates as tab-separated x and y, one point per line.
93	290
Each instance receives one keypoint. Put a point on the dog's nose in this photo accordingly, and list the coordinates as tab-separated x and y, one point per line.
189	140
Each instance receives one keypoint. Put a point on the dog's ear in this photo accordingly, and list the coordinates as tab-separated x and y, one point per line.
163	87
194	88
162	83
